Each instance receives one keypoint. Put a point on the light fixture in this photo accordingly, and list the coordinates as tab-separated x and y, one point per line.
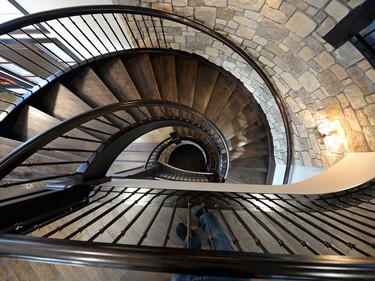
330	136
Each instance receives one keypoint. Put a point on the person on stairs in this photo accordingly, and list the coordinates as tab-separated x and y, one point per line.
222	242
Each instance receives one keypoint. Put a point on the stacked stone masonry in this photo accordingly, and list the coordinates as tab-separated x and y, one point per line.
317	82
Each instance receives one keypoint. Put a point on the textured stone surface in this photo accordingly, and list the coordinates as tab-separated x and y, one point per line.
347	55
271	30
355	96
301	24
330	82
336	10
309	81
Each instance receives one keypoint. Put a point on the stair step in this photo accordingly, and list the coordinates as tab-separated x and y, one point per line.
164	69
223	89
186	75
257	161
140	70
90	88
247	177
243	119
204	86
117	79
237	101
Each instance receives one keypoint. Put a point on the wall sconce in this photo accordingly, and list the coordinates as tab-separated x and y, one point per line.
328	131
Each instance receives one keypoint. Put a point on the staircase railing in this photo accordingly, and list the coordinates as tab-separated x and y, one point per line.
75	36
168	172
308	237
132	118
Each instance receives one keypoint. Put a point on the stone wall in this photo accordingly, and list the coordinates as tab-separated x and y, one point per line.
317	82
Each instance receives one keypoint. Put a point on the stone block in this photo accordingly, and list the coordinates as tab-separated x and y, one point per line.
275	49
370	98
282	64
317	3
288	9
361	79
166	7
309	81
324	59
325	26
179	3
245	21
369	132
206	14
330	82
254	5
347	55
215	3
274	4
355	96
370	113
306	53
336	10
362	118
271	30
295	62
274	15
357	142
225	14
301	24
292	44
311	11
307	119
314	44
259	40
352	120
343	100
245	32
291	81
293	104
332	108
339	71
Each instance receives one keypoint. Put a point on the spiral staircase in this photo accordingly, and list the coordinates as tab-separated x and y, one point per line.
74	145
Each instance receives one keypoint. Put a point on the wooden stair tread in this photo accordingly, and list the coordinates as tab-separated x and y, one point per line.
140	70
117	79
206	80
186	75
164	69
222	91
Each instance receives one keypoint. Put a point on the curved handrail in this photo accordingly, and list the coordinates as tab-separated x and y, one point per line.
97	9
16	157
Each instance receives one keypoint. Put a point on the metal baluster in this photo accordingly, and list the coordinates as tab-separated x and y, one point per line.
257	241
123	33
322	229
92	221
301	241
37	42
130	29
261	223
167	233
147	31
29	59
211	237
145	233
349	217
31	164
123	232
80	139
156	34
87	38
49	39
84	128
227	226
67	43
96	36
139	31
345	223
114	33
334	225
162	28
75	38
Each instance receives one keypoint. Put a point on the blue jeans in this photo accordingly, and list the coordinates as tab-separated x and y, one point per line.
221	242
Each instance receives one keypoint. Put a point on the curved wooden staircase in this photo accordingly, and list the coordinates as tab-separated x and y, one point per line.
168	75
